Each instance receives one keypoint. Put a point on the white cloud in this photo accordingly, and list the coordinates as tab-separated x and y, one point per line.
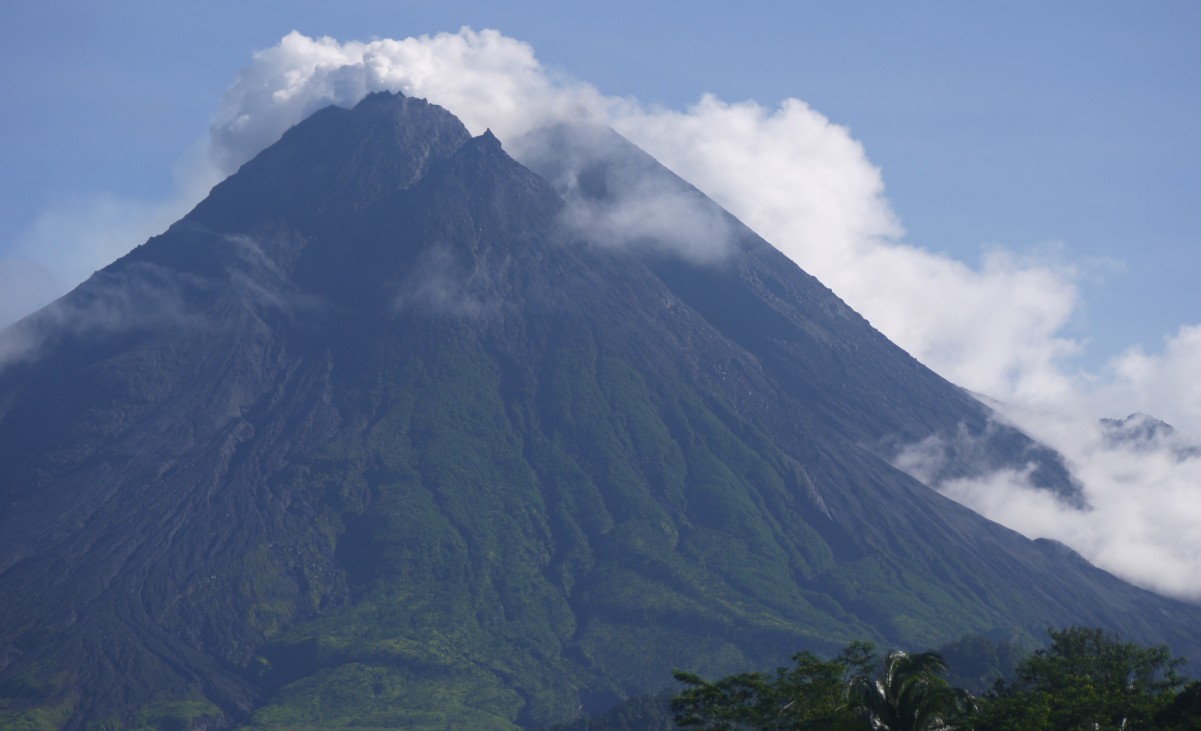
807	186
1145	495
486	79
1165	384
620	197
1144	498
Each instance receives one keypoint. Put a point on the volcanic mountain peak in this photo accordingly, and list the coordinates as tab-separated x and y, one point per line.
422	439
339	158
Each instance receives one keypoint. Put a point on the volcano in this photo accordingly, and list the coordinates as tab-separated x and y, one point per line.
395	431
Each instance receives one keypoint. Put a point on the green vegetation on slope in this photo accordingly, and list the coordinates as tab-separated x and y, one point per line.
544	530
523	540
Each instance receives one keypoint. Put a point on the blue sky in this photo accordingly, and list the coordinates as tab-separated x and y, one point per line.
1043	159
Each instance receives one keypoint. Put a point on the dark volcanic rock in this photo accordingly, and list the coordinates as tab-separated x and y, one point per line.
380	434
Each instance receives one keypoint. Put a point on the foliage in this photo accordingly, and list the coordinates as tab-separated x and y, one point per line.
976	663
809	694
1184	712
1086	679
910	695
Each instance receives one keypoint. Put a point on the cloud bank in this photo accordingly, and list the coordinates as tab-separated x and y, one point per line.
1143	490
807	185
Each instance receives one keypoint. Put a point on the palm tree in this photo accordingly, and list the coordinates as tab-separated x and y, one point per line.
911	695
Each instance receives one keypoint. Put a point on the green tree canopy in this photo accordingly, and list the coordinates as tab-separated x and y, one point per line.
911	694
1086	679
811	694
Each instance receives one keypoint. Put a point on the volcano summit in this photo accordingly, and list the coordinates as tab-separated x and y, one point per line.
392	430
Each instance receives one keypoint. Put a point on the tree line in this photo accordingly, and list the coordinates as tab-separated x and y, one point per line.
1085	679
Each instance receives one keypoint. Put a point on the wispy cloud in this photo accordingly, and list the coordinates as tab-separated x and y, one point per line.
78	235
437	284
138	296
619	196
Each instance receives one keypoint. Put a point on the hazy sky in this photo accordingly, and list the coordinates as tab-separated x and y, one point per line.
1011	194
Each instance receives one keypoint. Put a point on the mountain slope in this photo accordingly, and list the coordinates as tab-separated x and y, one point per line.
376	434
